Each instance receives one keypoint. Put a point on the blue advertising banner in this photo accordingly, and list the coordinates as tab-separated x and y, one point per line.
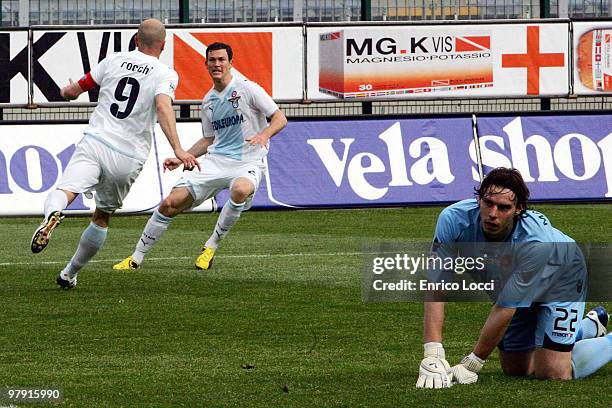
370	162
565	157
348	162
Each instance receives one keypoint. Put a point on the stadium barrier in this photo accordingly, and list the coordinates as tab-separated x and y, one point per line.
351	162
320	62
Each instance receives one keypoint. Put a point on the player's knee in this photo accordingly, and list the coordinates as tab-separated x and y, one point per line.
517	364
167	207
563	374
240	191
553	365
101	218
516	370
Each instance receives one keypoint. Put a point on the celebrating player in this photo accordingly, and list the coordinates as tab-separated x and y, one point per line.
544	338
234	144
136	90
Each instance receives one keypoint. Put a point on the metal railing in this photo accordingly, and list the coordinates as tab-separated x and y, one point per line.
225	11
339	109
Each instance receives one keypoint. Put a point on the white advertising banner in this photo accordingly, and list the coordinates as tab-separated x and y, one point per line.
272	57
448	61
33	158
14	67
592	46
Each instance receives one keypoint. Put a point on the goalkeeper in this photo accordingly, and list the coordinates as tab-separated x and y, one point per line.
548	339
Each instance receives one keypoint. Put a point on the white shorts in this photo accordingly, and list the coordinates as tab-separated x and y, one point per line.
218	173
94	166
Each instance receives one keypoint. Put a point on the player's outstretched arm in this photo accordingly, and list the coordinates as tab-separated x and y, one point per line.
491	334
433	322
198	149
167	121
201	146
434	370
493	330
278	121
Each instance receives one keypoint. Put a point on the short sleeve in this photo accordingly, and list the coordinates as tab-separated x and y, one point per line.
443	246
98	72
168	83
207	128
262	101
446	233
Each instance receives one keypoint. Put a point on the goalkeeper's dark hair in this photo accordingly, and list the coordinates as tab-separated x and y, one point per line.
505	178
220	46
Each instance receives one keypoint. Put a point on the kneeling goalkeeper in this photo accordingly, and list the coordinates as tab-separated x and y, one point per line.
548	339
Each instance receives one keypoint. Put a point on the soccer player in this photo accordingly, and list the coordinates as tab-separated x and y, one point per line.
136	90
544	338
235	142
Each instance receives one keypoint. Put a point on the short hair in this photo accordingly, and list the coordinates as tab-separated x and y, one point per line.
151	33
506	178
220	46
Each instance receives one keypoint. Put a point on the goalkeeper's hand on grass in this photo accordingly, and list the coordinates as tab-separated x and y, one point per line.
466	372
434	371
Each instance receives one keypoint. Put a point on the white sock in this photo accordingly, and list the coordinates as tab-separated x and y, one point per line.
228	217
55	201
91	241
590	355
153	231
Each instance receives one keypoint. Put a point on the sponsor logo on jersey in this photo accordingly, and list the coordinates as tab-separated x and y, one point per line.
227	122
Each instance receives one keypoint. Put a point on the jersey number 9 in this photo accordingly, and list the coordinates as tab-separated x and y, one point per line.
130	98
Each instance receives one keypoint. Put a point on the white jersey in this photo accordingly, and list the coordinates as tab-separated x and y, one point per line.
126	113
237	113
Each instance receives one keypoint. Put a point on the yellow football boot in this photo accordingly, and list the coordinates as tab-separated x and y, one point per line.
127	263
205	260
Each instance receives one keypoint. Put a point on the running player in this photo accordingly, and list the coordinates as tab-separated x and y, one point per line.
235	142
136	90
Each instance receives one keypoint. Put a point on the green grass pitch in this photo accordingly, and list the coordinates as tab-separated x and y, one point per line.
278	321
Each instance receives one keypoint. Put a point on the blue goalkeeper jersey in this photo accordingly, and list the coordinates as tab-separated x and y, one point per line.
460	222
536	262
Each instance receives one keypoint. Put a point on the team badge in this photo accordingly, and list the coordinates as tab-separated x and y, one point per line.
234	99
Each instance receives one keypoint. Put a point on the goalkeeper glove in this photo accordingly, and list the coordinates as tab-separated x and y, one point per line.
434	369
472	363
466	372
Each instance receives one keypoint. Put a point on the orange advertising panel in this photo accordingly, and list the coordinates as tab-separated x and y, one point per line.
252	59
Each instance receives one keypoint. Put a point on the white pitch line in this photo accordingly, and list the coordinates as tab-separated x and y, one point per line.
296	255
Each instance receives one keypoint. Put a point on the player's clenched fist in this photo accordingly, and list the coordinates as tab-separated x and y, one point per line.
462	375
171	163
466	372
434	373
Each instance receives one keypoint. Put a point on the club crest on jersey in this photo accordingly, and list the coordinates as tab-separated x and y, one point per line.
234	99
